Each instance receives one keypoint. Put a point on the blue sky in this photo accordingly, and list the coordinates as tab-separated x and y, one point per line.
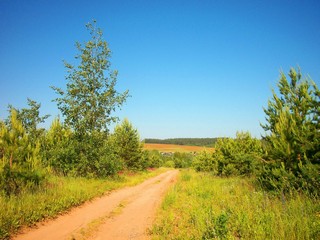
193	68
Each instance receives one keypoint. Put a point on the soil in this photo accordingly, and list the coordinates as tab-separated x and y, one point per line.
127	213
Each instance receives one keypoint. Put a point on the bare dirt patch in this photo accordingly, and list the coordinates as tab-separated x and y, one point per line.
124	214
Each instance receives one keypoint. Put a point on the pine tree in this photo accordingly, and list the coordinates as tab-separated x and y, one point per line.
13	140
292	121
21	158
127	145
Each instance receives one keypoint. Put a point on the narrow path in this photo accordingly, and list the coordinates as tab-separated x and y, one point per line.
124	214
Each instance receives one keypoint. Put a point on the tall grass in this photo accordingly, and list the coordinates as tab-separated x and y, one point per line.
59	195
201	206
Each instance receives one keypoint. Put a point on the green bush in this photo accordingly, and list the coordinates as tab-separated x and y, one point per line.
230	170
239	156
127	146
182	160
15	180
169	164
278	179
21	163
292	142
155	159
205	161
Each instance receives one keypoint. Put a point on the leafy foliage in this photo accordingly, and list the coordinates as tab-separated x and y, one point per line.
93	157
21	161
294	133
60	153
293	121
87	106
30	118
155	159
127	146
182	159
90	97
239	156
205	162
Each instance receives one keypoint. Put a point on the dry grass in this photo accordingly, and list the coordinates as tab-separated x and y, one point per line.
174	148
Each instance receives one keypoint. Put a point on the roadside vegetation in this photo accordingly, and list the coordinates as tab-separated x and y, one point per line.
254	189
204	206
287	159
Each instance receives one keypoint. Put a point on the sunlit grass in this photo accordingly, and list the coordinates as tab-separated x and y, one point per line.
201	206
59	195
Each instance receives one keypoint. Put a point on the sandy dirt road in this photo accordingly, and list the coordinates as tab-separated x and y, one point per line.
124	214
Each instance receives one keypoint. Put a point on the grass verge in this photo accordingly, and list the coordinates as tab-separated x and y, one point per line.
201	206
59	195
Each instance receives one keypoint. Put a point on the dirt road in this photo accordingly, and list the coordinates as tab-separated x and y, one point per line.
124	214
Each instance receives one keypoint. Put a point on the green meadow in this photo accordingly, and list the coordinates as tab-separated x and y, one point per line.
203	206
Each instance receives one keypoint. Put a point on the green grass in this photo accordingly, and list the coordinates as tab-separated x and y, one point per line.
201	206
58	196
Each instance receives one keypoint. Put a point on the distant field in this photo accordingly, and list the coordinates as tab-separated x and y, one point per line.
174	148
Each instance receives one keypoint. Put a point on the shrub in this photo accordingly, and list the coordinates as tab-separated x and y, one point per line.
182	160
155	159
21	164
205	161
239	156
278	179
127	146
169	164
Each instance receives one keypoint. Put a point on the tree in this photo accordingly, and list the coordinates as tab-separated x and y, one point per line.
292	121
20	159
13	140
293	133
30	118
127	145
205	161
241	155
90	97
59	149
238	156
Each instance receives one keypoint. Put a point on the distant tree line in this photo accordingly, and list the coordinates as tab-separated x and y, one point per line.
202	142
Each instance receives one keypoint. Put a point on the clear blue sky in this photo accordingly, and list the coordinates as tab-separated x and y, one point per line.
193	68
